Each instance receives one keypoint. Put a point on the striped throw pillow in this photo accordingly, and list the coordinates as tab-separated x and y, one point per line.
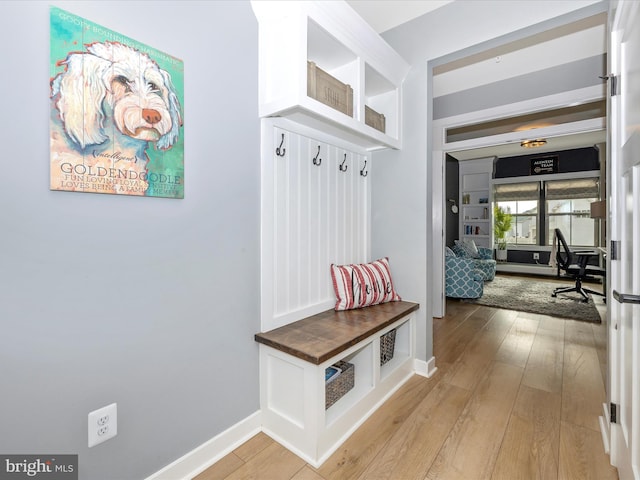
362	285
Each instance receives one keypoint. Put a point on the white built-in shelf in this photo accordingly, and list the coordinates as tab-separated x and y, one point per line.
340	42
475	195
471	205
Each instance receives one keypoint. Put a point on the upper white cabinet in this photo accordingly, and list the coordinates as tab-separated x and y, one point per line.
339	42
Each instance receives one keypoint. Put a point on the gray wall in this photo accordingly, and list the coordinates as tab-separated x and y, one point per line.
582	73
400	202
151	303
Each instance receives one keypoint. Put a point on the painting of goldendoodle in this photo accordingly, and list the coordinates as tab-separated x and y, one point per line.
116	121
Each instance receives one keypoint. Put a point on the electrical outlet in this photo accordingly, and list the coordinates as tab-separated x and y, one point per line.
103	420
103	424
536	256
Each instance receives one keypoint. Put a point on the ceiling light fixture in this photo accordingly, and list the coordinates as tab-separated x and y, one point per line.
533	143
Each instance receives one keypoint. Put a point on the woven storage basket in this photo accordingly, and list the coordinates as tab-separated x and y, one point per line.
374	119
387	345
336	388
329	90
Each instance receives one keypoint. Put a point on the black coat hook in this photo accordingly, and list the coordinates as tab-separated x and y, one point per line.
342	166
317	161
362	172
280	151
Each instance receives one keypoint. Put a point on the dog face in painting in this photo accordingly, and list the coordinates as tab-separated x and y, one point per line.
112	82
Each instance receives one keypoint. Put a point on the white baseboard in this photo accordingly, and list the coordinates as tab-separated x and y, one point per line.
426	369
202	457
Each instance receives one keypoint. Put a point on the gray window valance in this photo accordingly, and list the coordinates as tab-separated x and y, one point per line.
578	188
509	192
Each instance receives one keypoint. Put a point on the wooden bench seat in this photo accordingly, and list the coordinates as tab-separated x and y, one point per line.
322	336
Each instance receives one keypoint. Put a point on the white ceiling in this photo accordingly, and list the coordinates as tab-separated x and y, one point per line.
383	15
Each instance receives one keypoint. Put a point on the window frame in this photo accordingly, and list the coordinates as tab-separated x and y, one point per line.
515	217
543	216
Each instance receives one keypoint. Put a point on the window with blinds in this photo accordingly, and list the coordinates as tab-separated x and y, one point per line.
521	200
542	206
568	207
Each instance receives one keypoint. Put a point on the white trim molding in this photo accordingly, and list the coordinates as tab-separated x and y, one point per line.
200	458
559	100
440	148
425	369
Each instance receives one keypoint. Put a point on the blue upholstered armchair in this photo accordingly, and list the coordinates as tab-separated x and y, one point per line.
483	261
462	278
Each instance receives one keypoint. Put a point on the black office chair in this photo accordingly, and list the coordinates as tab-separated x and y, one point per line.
576	265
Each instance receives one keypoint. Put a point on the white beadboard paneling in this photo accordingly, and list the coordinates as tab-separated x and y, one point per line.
341	206
361	222
280	204
304	251
312	216
292	232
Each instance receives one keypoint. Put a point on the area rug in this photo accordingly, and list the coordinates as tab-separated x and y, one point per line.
530	295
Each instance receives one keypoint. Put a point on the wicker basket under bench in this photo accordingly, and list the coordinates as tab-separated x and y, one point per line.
387	346
336	388
303	412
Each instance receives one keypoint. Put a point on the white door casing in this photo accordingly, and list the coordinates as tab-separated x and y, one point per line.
624	237
441	148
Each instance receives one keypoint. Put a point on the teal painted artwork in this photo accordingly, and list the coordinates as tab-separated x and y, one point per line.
116	122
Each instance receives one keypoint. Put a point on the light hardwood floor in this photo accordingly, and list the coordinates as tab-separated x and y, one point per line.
516	396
